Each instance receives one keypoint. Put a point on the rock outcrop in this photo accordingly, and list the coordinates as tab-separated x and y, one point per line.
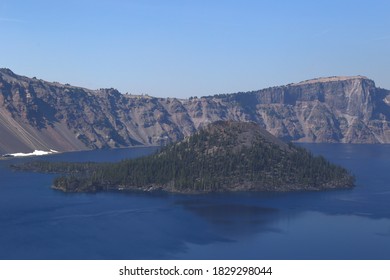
35	114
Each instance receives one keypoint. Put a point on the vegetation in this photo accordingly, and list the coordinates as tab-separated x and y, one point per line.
225	156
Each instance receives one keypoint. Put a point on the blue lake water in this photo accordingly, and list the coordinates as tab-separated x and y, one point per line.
37	222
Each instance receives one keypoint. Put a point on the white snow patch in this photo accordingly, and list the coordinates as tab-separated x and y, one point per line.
35	153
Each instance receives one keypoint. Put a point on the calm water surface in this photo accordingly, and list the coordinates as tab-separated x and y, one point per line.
37	222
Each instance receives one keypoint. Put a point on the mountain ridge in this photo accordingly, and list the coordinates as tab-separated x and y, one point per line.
330	79
36	114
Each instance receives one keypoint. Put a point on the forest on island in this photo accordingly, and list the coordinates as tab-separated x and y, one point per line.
208	161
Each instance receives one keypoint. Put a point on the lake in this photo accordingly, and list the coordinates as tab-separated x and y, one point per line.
37	222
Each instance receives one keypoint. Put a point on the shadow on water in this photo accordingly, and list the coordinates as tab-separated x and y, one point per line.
233	220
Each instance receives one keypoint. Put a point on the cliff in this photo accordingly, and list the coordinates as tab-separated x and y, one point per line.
40	115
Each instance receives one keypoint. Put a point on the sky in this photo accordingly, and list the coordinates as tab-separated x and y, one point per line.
183	48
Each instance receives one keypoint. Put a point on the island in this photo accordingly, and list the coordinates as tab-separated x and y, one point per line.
225	156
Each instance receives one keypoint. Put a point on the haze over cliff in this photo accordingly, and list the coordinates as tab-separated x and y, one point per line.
35	114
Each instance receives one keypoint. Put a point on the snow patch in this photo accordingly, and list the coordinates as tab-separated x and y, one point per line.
35	153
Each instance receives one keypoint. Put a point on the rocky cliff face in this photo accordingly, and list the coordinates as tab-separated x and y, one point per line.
35	114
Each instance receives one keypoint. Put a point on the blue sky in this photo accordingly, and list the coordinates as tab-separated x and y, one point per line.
186	48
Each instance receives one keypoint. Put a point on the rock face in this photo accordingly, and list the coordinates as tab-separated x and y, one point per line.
35	114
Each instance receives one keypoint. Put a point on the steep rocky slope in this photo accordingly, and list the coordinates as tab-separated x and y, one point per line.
35	114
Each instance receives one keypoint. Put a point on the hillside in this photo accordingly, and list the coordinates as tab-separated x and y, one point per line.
41	115
224	156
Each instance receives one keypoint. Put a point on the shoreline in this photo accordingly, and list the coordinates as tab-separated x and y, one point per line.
31	155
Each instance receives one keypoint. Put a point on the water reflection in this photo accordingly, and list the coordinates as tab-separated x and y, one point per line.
234	220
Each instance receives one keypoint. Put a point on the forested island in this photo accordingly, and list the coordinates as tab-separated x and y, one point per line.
224	156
